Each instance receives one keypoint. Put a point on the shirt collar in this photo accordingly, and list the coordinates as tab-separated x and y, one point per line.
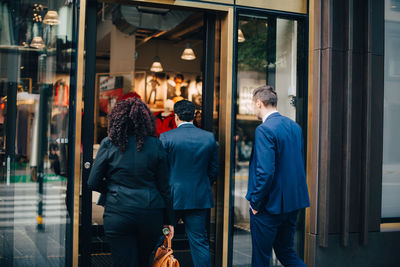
268	114
183	123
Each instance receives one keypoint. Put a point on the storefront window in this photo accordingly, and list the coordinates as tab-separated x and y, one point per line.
267	54
391	129
35	71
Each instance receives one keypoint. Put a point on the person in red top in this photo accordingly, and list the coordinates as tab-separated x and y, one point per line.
164	124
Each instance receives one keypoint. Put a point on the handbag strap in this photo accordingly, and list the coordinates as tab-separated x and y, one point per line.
167	242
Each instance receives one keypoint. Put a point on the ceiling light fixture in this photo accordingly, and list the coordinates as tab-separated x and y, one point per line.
241	38
156	66
188	53
51	18
37	42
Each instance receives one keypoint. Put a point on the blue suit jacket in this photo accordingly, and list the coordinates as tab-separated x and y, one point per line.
193	166
277	180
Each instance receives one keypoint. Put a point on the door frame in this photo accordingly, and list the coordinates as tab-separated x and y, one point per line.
87	126
76	120
302	90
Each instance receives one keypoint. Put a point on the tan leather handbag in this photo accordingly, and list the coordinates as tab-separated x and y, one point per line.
164	255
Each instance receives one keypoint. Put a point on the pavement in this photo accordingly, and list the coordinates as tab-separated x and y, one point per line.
21	243
390	190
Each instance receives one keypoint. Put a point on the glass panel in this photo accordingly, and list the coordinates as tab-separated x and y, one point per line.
391	127
267	54
152	58
35	59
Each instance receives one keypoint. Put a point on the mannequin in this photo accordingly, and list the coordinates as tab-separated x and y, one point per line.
153	93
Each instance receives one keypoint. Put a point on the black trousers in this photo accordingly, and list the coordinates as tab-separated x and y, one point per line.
132	234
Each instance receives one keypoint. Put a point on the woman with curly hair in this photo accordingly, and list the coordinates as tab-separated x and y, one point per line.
138	197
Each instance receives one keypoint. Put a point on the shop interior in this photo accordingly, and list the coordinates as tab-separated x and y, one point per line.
38	50
155	54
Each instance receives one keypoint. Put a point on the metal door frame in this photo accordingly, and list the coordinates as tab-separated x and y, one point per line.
85	232
302	90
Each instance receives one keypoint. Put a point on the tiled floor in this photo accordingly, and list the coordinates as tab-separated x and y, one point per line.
242	250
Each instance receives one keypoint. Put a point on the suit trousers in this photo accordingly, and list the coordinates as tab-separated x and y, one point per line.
273	231
132	234
196	230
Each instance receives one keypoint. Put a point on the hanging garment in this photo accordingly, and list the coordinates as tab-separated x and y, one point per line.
6	28
48	36
169	122
29	32
164	124
61	94
22	130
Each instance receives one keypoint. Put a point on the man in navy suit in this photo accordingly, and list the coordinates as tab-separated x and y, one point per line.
193	161
277	187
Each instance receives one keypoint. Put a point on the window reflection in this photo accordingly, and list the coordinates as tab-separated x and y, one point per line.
391	127
35	66
267	54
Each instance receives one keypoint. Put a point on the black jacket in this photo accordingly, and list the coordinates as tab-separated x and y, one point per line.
134	178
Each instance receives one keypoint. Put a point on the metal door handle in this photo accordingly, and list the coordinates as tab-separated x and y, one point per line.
87	165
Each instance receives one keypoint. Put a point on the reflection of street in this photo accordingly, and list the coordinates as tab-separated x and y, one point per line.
391	190
242	236
18	225
242	216
242	250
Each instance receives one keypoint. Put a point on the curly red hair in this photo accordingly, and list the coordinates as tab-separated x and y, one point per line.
130	117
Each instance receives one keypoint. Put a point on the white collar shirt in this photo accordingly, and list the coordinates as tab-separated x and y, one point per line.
183	123
268	114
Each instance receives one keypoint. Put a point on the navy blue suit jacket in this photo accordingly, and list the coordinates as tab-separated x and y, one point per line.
193	166
277	180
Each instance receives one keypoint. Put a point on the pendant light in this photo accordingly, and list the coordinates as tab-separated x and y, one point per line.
188	53
241	38
37	42
156	66
51	18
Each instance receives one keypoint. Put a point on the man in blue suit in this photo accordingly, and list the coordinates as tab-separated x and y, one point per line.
277	187
193	161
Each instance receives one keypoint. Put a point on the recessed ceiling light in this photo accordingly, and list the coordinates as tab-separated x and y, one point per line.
51	18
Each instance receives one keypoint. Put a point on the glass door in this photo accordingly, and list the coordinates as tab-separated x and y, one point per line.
270	50
168	55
